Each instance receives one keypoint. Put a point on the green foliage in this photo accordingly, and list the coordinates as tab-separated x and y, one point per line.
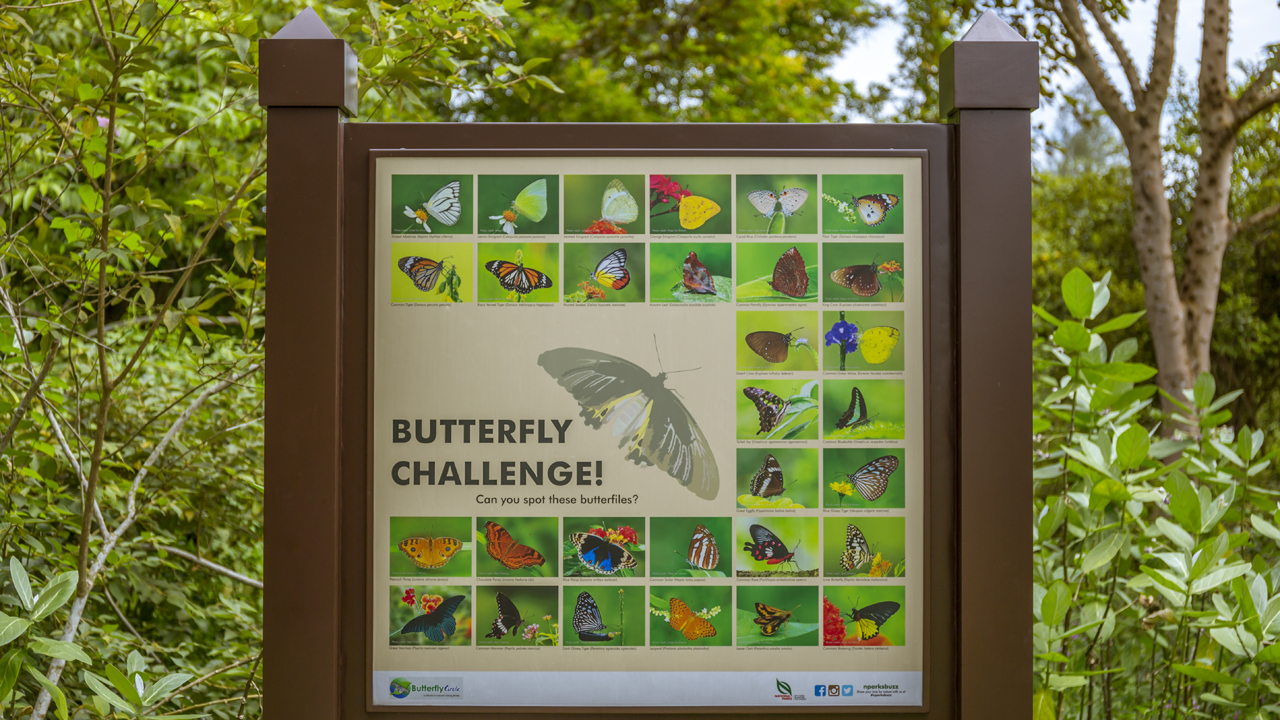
1157	561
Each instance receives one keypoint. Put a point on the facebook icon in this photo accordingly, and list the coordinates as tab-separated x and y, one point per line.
820	690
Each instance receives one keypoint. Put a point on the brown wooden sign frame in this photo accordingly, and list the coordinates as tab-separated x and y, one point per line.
977	237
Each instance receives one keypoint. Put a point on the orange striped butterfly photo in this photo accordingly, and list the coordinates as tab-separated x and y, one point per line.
690	546
781	615
518	272
516	547
430	547
423	272
690	615
863	204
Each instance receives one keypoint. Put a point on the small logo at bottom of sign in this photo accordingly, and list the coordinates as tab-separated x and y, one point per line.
426	689
784	690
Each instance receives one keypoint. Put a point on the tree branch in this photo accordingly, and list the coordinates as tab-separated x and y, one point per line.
206	563
1162	53
202	678
1255	219
1255	97
21	411
1117	47
1086	61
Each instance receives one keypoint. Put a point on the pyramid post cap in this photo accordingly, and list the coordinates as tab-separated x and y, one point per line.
990	27
306	26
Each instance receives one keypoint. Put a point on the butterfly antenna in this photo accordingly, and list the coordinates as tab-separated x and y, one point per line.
657	352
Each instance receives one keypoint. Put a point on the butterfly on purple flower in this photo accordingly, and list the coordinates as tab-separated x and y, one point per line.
844	334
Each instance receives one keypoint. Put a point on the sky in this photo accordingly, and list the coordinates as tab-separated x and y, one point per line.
1254	24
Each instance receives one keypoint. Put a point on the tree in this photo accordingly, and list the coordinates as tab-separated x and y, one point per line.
1181	269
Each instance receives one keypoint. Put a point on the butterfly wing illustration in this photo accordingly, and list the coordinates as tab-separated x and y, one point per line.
770	407
422	271
508	620
696	276
618	206
504	548
767	546
768	479
587	622
872	479
444	204
438	623
689	623
611	271
704	554
649	420
856	552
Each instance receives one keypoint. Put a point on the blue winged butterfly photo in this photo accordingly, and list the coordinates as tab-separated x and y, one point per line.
430	615
611	547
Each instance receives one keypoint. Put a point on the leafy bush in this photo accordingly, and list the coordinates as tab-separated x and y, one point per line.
1156	559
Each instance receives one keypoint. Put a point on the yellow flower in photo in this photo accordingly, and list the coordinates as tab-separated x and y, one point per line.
880	567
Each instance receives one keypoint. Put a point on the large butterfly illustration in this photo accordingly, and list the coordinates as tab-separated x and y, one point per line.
429	553
768	547
856	553
858	405
508	620
515	276
770	618
872	479
868	620
690	624
789	275
587	622
424	272
504	548
649	420
436	624
600	554
703	553
770	407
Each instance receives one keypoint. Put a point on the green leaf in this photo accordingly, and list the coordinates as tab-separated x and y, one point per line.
10	665
1102	553
1121	322
1218	576
58	649
1072	337
122	684
21	583
1108	490
1045	315
1077	293
58	698
99	687
1056	602
1132	447
55	595
1204	390
1184	503
12	628
1180	537
1125	372
1043	706
1207	675
1064	682
1164	579
1261	525
1218	700
164	686
1051	517
1270	653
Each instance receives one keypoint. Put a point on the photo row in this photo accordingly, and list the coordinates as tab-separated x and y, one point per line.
787	409
680	615
654	204
671	272
749	546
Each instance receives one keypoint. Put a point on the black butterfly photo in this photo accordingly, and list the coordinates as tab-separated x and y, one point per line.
508	619
601	555
652	424
587	621
767	482
768	547
867	621
770	407
437	624
856	416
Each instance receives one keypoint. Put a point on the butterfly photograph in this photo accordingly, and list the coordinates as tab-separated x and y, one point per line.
776	547
599	272
603	547
430	547
770	409
777	478
603	615
604	204
859	478
772	340
516	546
864	409
862	204
864	615
519	204
777	272
431	272
777	204
517	615
863	341
430	615
431	205
690	546
862	273
864	547
779	615
690	204
651	423
690	615
518	272
691	272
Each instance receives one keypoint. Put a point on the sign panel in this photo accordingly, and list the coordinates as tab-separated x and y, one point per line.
648	432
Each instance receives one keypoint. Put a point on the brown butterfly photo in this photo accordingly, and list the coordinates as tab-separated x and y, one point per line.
514	547
777	272
777	341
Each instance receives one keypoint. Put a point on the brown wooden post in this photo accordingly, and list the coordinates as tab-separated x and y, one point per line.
307	83
990	82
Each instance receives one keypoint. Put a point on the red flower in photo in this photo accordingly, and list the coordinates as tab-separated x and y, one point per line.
832	624
628	535
431	602
598	532
408	597
604	227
